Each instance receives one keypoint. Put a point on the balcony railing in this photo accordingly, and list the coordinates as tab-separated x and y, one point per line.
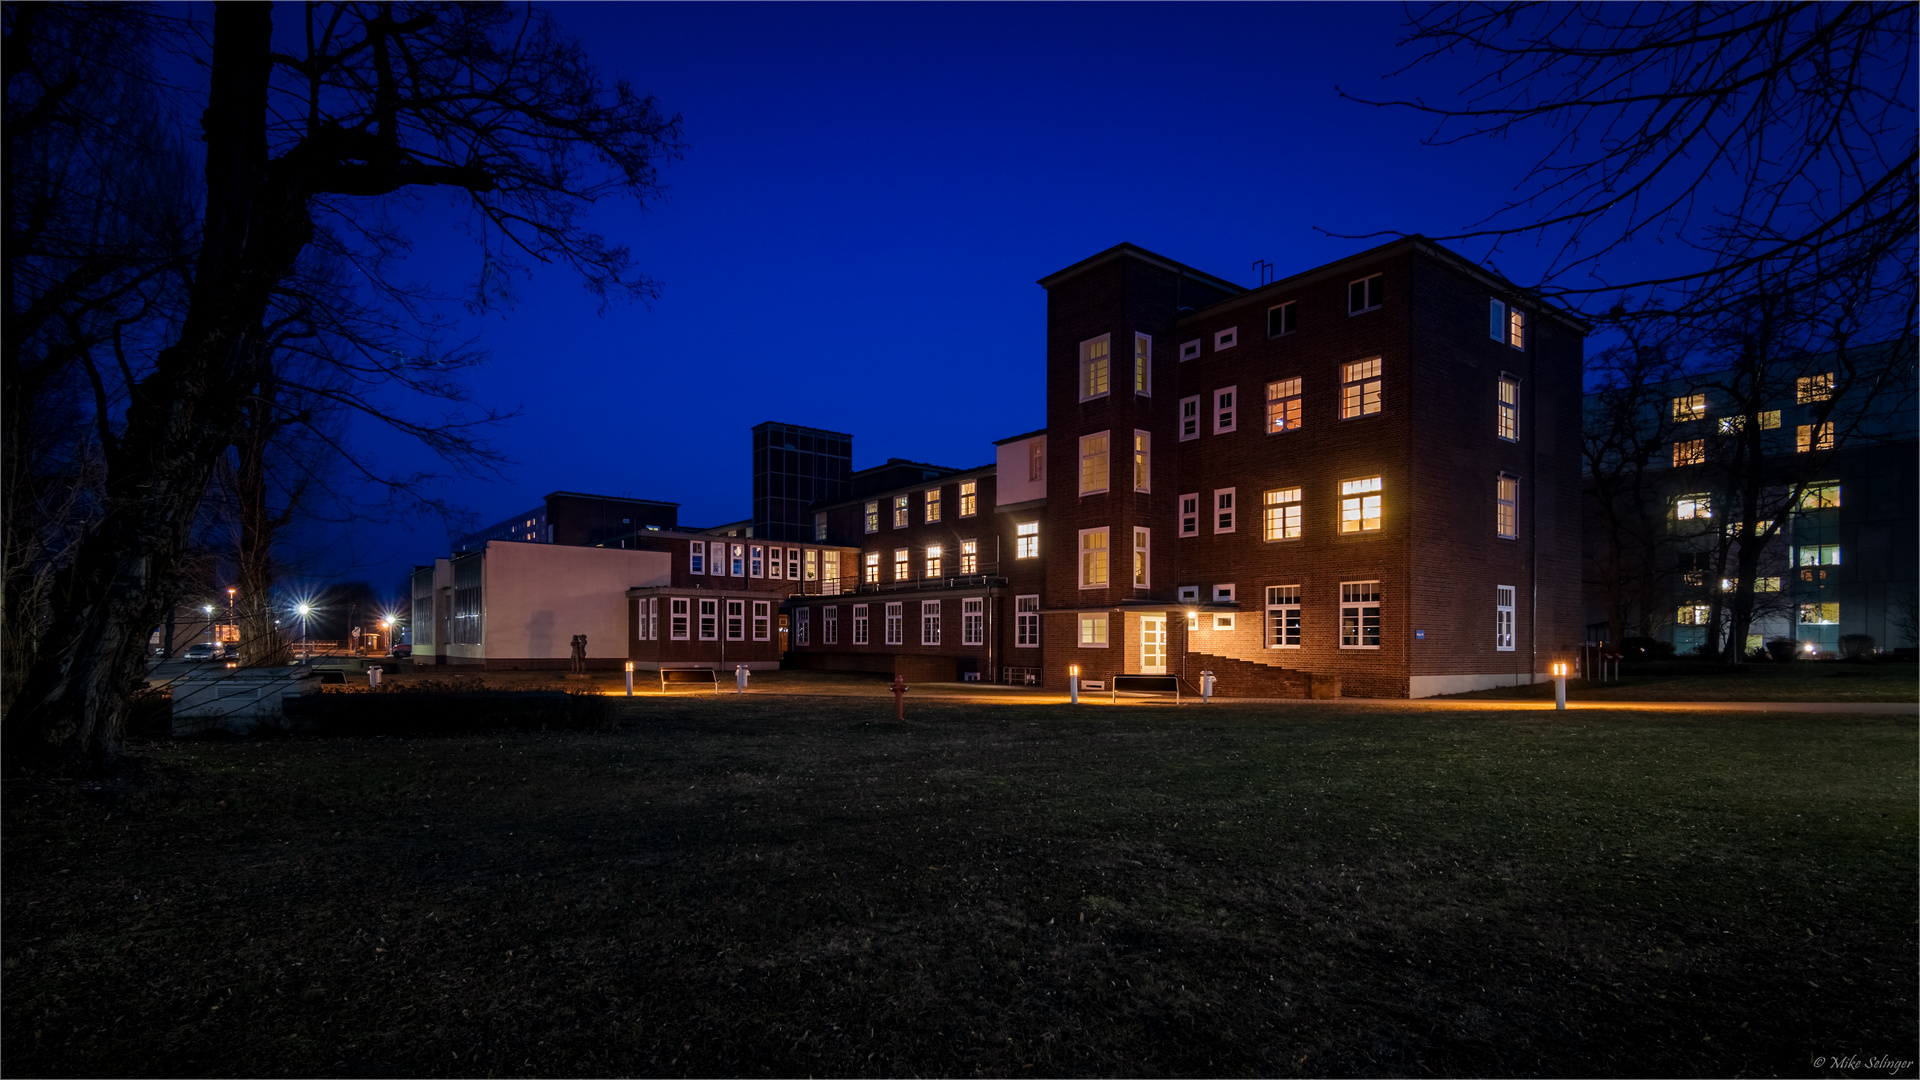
847	586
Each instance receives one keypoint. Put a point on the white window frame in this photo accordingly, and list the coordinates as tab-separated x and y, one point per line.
1189	515
870	568
757	560
1188	594
1190	418
895	627
793	564
1142	557
860	625
1283	514
679	618
1372	294
1362	388
1190	350
696	557
903	564
1224	507
1354	605
1223	620
973	620
1096	367
1286	405
736	620
1102	556
1226	414
1226	339
1223	593
1503	617
1093	631
1288	311
902	511
737	561
1143	364
1026	621
1283	617
1355	496
1506	506
1142	460
1088	459
801	627
936	561
872	510
830	625
969	557
709	620
929	622
1036	461
763	620
969	498
1026	540
930	506
776	562
1516	328
1497	319
1507	407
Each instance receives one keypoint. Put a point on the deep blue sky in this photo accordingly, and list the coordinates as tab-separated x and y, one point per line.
868	195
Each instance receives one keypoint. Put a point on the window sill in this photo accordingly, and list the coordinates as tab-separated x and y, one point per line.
1361	648
1365	310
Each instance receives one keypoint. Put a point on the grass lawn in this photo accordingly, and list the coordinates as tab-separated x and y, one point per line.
765	885
1680	680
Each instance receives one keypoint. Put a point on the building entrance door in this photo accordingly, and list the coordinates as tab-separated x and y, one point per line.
1153	644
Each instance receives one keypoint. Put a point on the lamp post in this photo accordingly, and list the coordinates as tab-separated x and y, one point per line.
304	610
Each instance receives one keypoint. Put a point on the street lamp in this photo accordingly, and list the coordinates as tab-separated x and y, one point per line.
304	610
209	610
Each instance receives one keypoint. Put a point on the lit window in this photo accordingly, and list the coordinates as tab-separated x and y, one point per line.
1094	360
1516	328
739	560
697	557
1142	364
895	624
1222	620
1766	584
1693	507
973	621
1820	555
969	502
709	620
1509	409
1026	622
1811	388
1280	319
1224	419
860	624
1360	504
1360	388
1093	558
1770	419
1190	514
763	620
932	505
1503	618
1142	541
756	561
1283	405
1142	461
1093	631
1814	437
1690	452
902	565
1506	496
1283	617
1093	463
1508	324
1690	407
1283	514
1693	614
1026	540
1223	510
776	562
1190	350
677	619
929	622
969	556
736	620
1819	614
900	511
820	526
1226	339
1821	496
1189	418
813	566
1036	461
873	517
829	573
1364	295
1359	614
933	560
830	626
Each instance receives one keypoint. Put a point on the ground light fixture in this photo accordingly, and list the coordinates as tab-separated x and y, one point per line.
629	678
1073	684
1560	685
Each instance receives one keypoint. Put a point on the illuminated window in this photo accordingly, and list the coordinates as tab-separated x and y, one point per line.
1222	620
1093	558
1283	617
697	557
1506	497
1359	614
1819	614
1026	540
1142	364
1190	350
1364	295
1036	461
1093	464
873	517
1360	504
709	620
933	560
973	621
776	562
1224	417
1824	495
1226	339
1766	584
1508	409
969	556
1693	507
1693	614
830	572
1690	407
1026	622
932	504
1814	437
1811	388
902	566
1142	542
969	502
820	526
1280	319
739	560
1283	514
1820	555
1094	362
756	561
1503	618
929	622
830	626
1189	418
1360	388
812	571
677	619
900	511
1142	461
1690	452
1770	419
860	624
1223	510
1516	328
1093	631
763	620
895	625
1283	406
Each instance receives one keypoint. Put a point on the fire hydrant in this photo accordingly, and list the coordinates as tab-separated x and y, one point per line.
899	689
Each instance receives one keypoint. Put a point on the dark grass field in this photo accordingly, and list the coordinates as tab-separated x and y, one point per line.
1685	680
787	886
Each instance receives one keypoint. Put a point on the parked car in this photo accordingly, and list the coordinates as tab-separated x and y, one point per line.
202	650
399	651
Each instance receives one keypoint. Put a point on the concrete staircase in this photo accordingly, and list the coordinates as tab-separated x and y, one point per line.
1243	678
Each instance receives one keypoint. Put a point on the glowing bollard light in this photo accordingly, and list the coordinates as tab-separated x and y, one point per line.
1560	687
629	678
1206	687
1073	684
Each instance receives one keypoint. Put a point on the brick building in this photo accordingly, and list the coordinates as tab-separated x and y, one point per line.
577	520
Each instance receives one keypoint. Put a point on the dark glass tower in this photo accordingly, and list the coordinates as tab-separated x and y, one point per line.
795	467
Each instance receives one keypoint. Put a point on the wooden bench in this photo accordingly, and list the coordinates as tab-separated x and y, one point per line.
1145	684
706	675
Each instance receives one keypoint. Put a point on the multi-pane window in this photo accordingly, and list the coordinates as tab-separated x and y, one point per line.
929	622
1698	506
870	572
1507	424
900	511
1190	514
1189	418
1359	614
830	572
1811	388
776	562
830	626
1819	614
1360	388
902	566
1283	405
739	560
1516	328
1820	555
895	627
932	503
1283	617
820	527
1690	407
1693	614
1692	452
1506	324
969	556
1506	498
1283	510
873	517
677	618
1093	631
697	557
640	619
1036	461
969	498
1094	364
793	564
1225	416
1821	496
1093	463
1026	540
1142	364
1223	510
973	621
757	561
1142	544
1026	622
763	620
709	620
1813	437
859	624
1093	558
736	620
1503	618
1142	461
933	560
1226	339
802	627
1280	319
653	619
1364	295
1360	504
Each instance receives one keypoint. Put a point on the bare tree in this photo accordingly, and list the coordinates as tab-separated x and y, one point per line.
1627	433
311	147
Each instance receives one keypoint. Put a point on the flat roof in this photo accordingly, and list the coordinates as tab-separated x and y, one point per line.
609	498
1017	438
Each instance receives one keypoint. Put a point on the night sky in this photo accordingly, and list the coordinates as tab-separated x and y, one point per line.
868	195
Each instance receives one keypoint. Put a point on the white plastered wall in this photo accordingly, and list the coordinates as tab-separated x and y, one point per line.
537	596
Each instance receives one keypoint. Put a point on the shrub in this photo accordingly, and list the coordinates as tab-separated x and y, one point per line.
1636	649
1856	646
1783	649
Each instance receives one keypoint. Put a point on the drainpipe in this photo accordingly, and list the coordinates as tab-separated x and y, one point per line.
1533	508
